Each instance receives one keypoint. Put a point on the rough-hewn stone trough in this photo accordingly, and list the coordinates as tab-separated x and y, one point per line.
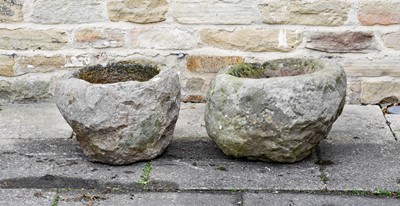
121	113
278	111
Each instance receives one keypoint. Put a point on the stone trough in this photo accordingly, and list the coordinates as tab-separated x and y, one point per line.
277	111
123	112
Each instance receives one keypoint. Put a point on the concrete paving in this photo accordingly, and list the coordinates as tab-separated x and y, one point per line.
32	121
13	197
279	199
184	162
361	124
394	123
42	164
79	198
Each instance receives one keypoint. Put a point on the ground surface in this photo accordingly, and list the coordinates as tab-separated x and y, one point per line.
42	164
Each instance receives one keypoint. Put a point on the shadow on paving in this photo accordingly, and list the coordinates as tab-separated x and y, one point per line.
201	165
60	163
50	181
53	163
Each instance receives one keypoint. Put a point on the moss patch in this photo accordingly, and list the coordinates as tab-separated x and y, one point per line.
276	68
118	72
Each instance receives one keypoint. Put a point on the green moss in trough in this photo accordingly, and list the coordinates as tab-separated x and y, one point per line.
118	72
276	68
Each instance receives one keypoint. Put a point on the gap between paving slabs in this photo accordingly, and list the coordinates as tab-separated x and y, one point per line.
393	122
361	154
156	183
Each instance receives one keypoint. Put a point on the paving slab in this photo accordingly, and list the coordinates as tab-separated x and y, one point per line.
190	124
79	198
361	124
59	163
362	166
13	197
201	165
43	120
36	151
314	200
36	120
394	121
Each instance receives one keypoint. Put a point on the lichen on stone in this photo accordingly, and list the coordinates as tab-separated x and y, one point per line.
276	68
118	72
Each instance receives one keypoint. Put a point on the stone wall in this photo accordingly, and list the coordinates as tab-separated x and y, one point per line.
42	40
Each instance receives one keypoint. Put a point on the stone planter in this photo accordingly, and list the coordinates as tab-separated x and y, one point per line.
122	113
275	112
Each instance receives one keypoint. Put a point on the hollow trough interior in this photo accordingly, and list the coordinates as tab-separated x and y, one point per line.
118	72
275	68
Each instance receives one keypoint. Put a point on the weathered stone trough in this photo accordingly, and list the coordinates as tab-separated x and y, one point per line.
121	113
277	111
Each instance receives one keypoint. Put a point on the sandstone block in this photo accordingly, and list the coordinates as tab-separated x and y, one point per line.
199	98
372	68
379	12
375	89
316	13
252	40
7	65
162	38
392	40
137	11
99	38
23	39
341	42
86	59
67	11
215	12
121	113
29	87
211	64
353	92
195	84
39	63
11	10
278	111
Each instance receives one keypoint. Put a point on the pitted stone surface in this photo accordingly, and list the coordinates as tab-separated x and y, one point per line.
275	119
123	122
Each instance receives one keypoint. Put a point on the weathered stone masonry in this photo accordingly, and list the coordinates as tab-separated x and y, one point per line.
42	40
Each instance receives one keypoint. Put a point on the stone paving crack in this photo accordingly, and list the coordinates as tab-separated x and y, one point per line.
321	163
391	130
